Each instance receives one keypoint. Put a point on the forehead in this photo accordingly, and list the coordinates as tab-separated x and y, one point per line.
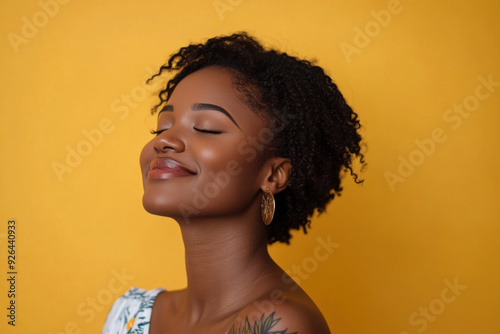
211	84
214	85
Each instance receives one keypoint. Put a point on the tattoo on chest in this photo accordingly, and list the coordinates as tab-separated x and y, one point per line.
263	326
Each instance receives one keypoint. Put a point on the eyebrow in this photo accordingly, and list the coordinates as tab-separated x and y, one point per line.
203	106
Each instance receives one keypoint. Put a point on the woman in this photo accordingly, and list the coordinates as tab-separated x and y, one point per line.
250	142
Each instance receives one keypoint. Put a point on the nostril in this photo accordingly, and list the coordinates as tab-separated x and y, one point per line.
168	143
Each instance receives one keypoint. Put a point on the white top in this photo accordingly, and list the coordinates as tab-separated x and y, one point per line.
131	313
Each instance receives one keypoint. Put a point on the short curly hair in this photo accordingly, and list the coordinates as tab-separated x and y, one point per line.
318	131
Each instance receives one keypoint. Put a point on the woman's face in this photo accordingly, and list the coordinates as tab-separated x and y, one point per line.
207	159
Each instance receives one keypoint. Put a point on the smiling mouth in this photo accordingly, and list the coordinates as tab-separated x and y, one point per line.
164	168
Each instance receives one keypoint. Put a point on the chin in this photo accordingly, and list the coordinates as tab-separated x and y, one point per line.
165	206
156	205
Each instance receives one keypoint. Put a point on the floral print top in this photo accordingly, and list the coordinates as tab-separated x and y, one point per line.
131	313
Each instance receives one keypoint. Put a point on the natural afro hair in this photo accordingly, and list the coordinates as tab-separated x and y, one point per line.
314	126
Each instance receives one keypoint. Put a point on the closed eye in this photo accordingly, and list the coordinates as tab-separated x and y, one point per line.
215	132
153	132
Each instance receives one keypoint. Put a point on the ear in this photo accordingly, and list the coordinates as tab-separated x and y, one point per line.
277	174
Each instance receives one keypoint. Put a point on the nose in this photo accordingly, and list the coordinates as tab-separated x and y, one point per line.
169	141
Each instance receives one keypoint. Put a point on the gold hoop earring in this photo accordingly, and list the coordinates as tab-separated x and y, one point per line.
267	206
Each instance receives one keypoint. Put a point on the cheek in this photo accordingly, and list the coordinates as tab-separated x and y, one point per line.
217	157
225	162
212	158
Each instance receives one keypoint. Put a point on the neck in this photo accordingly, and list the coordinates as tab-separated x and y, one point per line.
224	265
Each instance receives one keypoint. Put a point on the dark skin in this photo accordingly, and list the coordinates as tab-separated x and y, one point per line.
216	155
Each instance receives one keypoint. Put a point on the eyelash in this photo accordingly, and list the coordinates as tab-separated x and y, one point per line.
214	132
153	132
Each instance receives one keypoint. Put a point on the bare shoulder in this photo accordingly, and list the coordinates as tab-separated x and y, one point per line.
281	313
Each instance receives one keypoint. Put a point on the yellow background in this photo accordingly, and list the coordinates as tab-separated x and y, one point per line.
396	245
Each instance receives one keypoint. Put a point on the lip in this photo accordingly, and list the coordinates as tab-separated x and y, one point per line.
165	168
